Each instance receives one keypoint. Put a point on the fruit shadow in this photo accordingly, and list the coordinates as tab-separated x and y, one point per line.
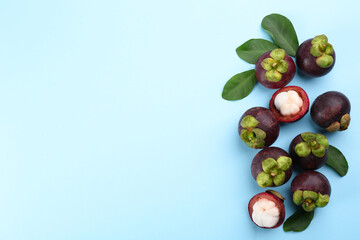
304	76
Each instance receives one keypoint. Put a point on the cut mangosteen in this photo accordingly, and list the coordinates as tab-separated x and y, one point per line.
310	189
315	57
289	104
331	110
267	209
275	69
309	151
271	167
258	127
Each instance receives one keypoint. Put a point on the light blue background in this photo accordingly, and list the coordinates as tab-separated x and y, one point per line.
112	124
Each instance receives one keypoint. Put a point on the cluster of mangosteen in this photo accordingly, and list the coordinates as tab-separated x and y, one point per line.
259	128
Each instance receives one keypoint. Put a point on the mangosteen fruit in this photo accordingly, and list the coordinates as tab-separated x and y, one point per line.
309	151
258	127
331	110
289	104
267	209
315	57
275	69
310	189
271	167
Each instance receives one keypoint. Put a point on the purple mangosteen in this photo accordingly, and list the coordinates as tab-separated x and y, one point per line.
315	57
331	111
310	189
271	167
275	69
258	127
309	151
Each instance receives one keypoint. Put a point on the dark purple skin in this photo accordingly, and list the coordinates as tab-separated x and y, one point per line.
286	77
267	122
307	62
329	107
269	152
310	162
311	181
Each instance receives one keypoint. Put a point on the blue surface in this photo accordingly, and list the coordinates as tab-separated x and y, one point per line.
113	127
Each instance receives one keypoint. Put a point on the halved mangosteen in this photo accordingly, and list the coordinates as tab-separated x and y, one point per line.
267	209
289	104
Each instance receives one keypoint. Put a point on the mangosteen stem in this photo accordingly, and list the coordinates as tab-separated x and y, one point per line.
309	205
313	144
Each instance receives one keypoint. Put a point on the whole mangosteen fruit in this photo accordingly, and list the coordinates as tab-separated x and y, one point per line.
310	189
315	57
331	110
267	209
258	127
271	167
289	104
309	151
275	69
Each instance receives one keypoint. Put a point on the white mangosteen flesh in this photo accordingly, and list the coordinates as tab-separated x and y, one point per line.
265	213
288	103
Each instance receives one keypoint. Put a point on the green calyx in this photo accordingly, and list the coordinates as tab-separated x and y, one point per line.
309	200
344	122
253	137
322	51
273	173
275	65
313	143
340	126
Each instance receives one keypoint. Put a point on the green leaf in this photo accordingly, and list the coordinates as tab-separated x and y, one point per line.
239	86
282	31
251	50
299	221
337	161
